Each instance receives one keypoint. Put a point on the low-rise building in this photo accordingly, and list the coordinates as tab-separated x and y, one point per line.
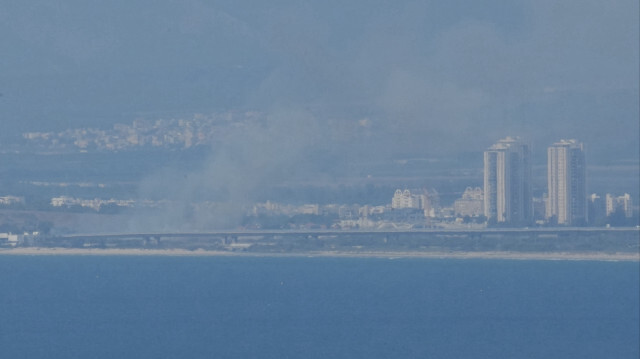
623	203
470	204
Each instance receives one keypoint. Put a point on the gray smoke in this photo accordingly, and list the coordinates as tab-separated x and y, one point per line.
250	158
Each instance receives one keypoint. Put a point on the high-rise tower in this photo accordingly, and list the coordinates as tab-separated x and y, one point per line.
566	177
507	182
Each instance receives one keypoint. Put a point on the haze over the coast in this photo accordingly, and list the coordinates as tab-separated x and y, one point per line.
376	93
376	78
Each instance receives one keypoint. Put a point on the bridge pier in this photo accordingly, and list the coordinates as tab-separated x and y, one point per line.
229	239
388	238
151	240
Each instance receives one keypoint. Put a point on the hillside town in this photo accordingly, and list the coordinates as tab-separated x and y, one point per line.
173	133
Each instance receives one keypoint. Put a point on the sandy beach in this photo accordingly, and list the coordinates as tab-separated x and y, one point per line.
35	251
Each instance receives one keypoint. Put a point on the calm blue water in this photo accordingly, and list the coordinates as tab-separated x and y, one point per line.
216	307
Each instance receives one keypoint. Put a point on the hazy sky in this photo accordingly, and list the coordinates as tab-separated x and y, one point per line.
418	77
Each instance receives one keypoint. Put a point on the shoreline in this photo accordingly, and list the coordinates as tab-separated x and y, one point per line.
40	251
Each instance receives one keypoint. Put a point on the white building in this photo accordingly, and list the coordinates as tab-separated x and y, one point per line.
470	204
62	201
405	199
11	239
507	181
623	202
566	181
8	200
309	209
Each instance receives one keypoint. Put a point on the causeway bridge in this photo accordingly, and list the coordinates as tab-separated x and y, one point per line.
542	239
474	233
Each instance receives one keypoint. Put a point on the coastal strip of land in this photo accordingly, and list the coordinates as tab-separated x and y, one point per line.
510	255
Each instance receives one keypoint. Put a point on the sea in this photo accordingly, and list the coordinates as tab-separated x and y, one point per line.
316	307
